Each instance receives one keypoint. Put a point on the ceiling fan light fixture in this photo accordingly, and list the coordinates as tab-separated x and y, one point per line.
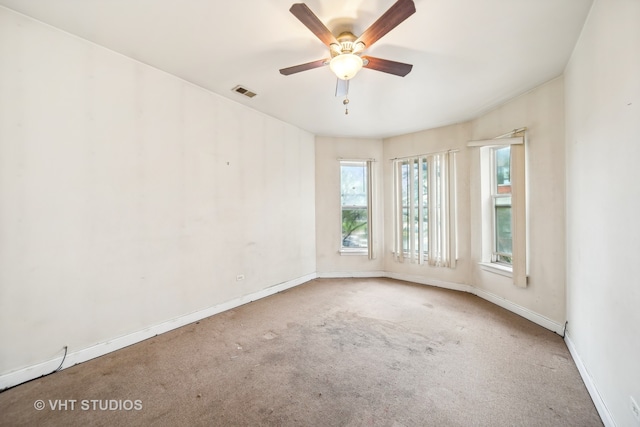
345	66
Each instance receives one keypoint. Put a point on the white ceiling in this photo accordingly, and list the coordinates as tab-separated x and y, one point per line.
468	55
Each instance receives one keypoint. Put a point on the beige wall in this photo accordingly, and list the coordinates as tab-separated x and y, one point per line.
542	112
425	142
130	197
603	201
328	229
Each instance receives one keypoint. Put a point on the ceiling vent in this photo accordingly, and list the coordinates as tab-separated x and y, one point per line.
244	91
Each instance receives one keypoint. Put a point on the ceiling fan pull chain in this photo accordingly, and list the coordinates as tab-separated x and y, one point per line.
346	103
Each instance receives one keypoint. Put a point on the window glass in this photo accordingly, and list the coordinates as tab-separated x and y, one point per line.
354	202
502	245
503	169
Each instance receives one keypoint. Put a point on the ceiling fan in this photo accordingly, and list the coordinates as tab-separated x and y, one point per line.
346	49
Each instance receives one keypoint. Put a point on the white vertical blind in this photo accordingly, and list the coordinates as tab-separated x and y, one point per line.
421	247
370	250
413	251
438	207
398	249
453	211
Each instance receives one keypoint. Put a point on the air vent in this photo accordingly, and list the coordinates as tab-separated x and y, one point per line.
244	91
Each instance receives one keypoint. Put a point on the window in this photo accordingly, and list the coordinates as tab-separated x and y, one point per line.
503	205
425	209
415	203
501	197
355	201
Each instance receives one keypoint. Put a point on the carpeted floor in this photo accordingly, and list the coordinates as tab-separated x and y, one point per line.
332	352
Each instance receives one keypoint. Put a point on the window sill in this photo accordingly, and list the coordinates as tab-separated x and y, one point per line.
496	268
349	252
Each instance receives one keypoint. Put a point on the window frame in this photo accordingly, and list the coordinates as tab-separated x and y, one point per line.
368	250
519	268
495	195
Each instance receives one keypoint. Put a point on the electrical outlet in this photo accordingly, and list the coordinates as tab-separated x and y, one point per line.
635	409
239	277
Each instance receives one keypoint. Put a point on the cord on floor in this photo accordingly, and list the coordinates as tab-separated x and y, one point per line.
63	359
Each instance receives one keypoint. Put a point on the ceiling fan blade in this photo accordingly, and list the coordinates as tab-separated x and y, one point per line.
304	67
342	87
312	22
401	10
386	66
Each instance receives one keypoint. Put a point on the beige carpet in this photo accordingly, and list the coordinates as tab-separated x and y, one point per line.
347	352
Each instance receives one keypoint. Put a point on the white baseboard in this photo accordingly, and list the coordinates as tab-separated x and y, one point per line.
427	281
536	318
604	413
73	358
421	280
499	301
350	274
32	372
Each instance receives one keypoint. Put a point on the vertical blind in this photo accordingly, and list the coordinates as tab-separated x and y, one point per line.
425	209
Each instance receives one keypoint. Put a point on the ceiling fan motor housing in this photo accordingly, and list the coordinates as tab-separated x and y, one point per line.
346	44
